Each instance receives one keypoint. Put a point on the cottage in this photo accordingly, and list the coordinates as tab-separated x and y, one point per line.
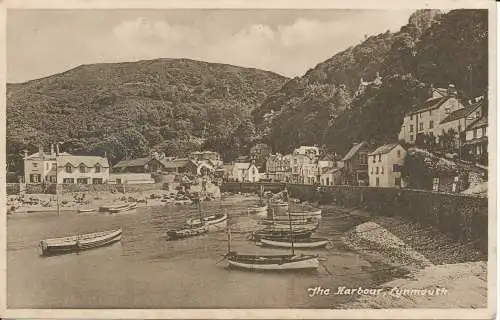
242	172
384	166
331	176
278	167
427	118
304	165
476	141
355	164
56	167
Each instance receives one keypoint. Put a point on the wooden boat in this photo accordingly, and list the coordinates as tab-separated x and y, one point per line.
298	243
83	210
280	235
79	242
187	232
259	209
114	207
279	204
312	226
130	206
295	221
214	223
273	262
316	214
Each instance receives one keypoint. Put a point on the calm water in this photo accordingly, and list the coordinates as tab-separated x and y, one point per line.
146	271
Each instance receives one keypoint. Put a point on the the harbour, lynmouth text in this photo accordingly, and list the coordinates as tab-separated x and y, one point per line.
393	292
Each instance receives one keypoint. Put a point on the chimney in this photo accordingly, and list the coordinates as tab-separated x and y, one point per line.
51	149
452	91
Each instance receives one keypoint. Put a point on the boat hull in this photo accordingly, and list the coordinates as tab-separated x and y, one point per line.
186	233
307	214
126	208
273	263
285	243
280	235
46	248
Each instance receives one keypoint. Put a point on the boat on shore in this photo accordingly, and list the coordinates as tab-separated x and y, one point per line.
273	262
214	222
129	206
113	207
295	221
310	226
187	232
83	210
79	242
316	214
279	235
298	243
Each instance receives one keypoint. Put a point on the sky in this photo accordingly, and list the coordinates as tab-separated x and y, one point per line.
289	42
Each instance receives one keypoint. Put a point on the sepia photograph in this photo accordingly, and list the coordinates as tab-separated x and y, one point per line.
328	159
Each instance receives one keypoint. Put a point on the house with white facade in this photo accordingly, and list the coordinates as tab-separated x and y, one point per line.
428	117
384	166
304	165
242	172
55	167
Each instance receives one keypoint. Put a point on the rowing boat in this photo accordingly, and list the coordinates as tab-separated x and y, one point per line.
310	226
82	210
129	206
315	214
215	222
298	243
79	242
187	232
113	207
273	262
279	235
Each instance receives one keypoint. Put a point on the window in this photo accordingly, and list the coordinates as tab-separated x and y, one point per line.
363	158
68	168
82	168
474	134
411	117
478	114
484	132
35	165
411	137
53	179
97	168
411	128
395	168
431	124
447	110
68	180
82	181
97	181
435	184
399	153
119	181
382	170
371	171
421	128
34	178
379	158
397	182
376	170
373	159
421	115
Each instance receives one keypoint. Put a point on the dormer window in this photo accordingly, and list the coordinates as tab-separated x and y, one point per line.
82	168
98	168
68	168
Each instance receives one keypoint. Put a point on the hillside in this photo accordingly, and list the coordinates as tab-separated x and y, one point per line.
326	107
127	108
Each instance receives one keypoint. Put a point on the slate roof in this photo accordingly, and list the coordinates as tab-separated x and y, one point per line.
386	148
483	121
36	155
461	113
88	161
430	104
353	151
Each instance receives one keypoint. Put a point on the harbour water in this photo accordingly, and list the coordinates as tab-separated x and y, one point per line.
146	271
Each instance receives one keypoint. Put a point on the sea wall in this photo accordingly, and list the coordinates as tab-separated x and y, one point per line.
462	217
70	188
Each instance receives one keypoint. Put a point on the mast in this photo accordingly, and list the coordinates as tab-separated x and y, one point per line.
228	235
290	222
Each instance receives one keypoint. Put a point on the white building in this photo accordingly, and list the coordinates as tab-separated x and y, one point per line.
384	166
63	167
304	165
242	172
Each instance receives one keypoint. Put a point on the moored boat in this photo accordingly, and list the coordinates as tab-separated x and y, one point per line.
279	235
258	209
316	214
310	226
187	232
83	210
79	242
214	223
298	243
273	262
130	206
113	207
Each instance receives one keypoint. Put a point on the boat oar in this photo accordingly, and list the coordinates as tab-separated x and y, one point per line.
324	267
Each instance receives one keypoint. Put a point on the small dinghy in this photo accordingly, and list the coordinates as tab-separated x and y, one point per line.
187	232
129	206
297	243
79	242
273	262
214	223
279	235
83	210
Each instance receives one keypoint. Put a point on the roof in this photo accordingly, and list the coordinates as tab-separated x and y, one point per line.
328	157
133	162
461	113
88	161
386	148
483	121
327	170
353	151
47	155
430	104
176	163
